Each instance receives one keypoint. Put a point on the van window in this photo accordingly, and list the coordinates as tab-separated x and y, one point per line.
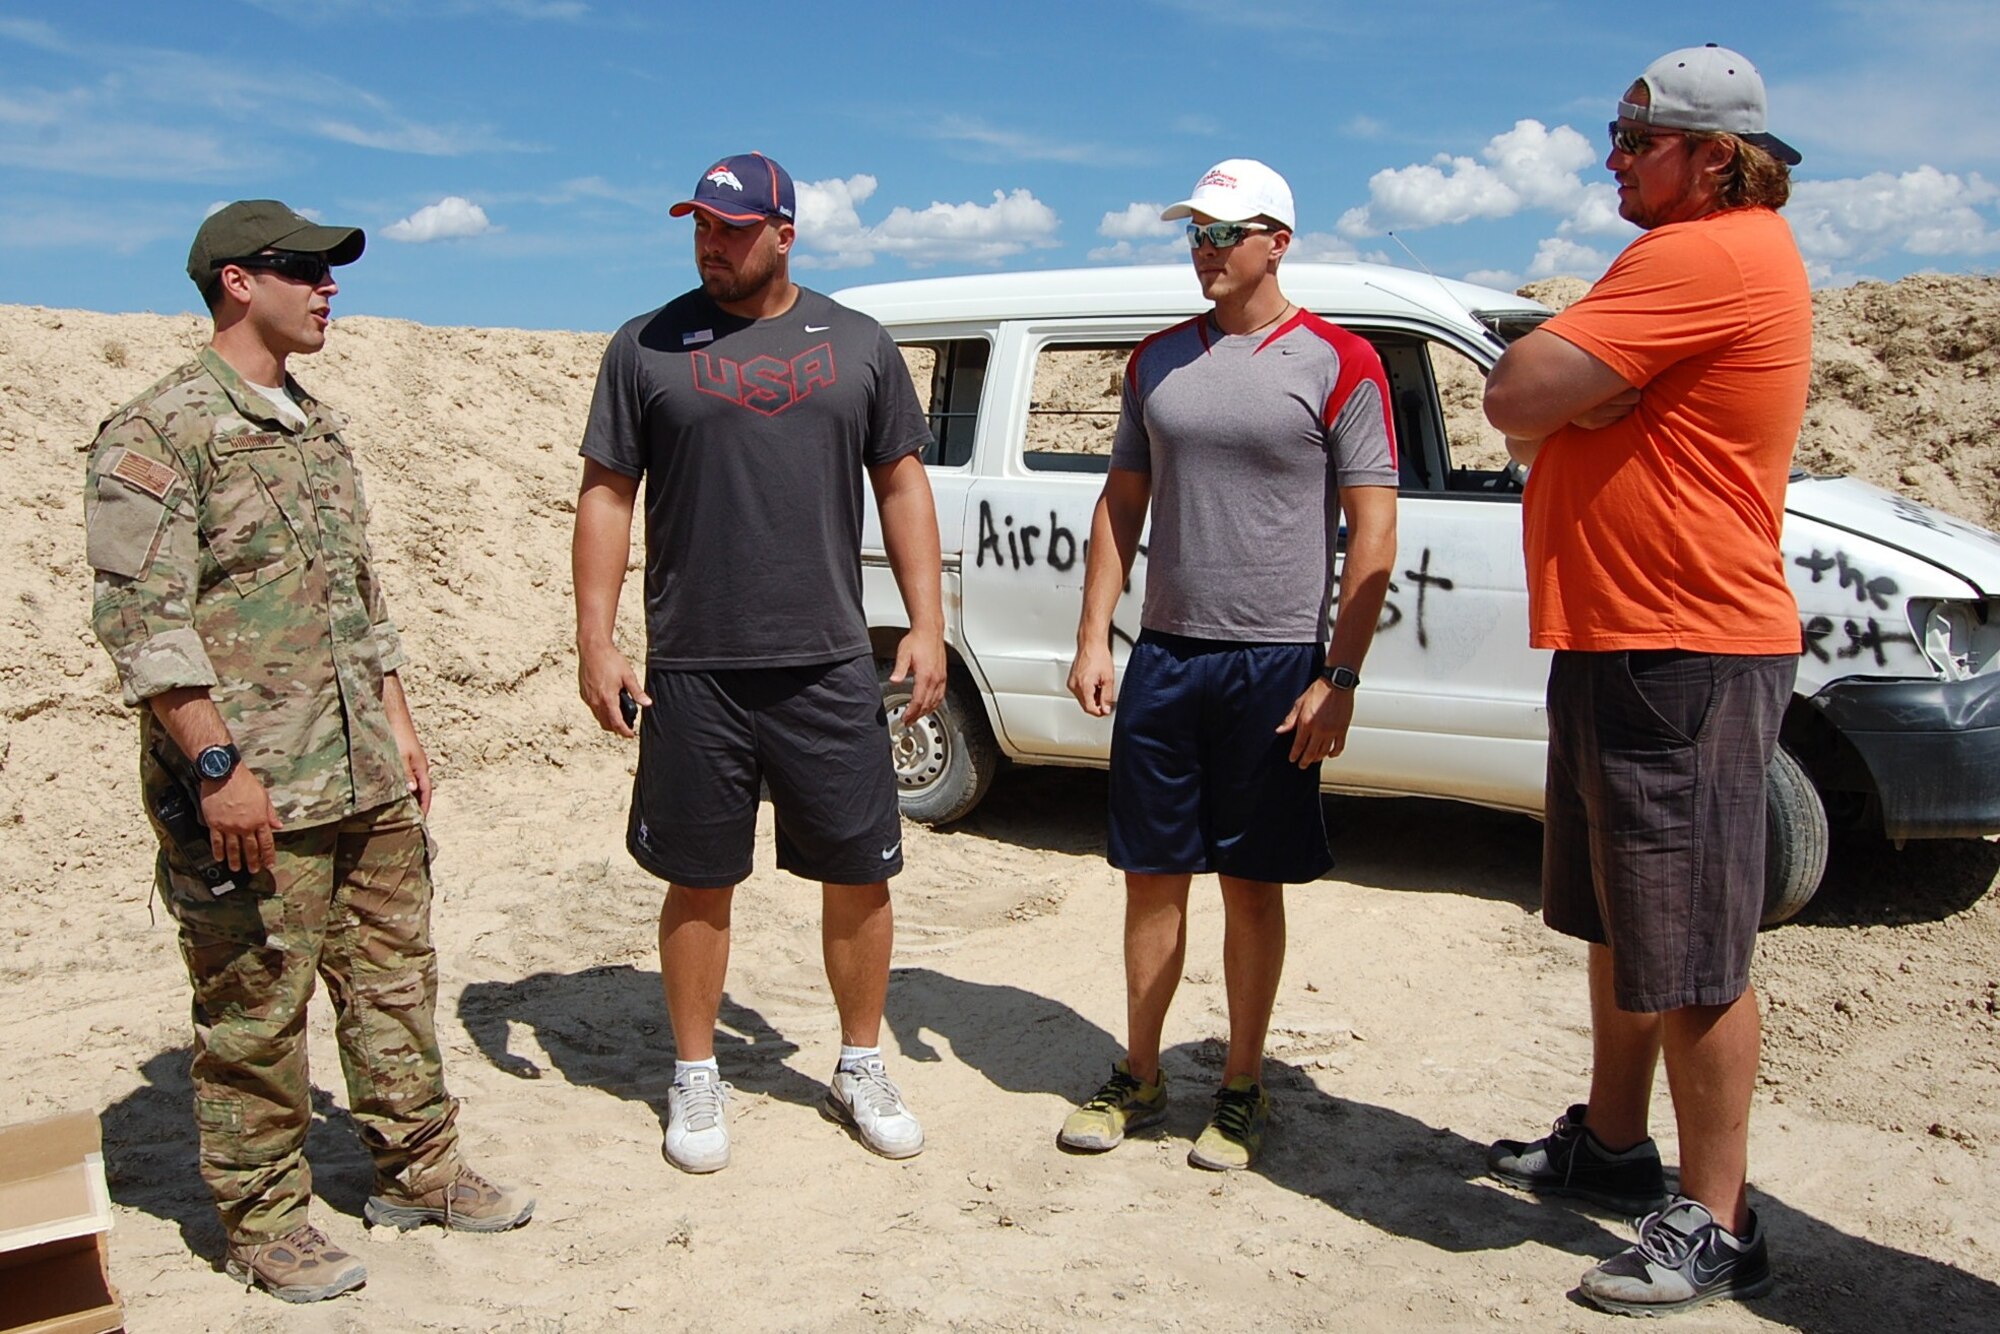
1073	406
950	375
1443	441
1475	445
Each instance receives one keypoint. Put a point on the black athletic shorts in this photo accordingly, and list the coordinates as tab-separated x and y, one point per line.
817	735
1201	779
1653	841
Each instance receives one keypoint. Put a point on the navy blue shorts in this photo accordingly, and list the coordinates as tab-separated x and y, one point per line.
1201	779
816	735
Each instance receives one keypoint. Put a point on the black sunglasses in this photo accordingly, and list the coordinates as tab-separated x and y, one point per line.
299	265
1634	143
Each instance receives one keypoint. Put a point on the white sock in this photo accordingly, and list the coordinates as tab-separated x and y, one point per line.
681	1069
850	1057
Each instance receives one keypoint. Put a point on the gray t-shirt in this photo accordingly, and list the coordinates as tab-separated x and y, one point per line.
1248	439
753	436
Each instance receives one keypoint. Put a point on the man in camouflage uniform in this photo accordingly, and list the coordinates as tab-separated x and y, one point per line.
280	768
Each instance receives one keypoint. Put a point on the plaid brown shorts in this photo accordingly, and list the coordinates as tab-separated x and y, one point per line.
1653	834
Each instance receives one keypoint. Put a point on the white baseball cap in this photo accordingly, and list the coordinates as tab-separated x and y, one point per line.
1236	191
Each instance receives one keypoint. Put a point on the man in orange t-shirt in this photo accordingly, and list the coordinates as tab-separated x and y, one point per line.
1659	414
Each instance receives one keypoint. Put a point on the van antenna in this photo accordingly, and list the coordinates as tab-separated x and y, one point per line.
1450	296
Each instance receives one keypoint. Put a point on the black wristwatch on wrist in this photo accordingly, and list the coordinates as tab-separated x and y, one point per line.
1341	678
216	763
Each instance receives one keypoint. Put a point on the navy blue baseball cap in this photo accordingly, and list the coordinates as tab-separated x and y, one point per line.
741	190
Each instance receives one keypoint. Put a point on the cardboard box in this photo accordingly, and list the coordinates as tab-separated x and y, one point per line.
54	1212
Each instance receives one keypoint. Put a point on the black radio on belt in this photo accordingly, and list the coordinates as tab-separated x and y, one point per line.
178	809
181	818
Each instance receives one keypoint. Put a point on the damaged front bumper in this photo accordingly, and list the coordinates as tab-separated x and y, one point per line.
1932	749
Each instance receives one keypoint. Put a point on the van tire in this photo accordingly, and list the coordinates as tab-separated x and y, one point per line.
945	760
1795	838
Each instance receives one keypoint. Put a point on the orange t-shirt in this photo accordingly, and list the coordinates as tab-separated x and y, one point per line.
1661	530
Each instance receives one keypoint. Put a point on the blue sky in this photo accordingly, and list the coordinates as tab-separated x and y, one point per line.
513	160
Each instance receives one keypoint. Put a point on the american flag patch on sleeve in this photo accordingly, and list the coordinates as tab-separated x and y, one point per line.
156	479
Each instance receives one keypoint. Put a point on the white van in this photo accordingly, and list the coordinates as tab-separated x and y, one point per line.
1895	725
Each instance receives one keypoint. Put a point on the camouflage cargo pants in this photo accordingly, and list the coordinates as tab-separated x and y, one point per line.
349	902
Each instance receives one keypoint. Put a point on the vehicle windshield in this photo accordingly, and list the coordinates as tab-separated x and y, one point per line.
1509	325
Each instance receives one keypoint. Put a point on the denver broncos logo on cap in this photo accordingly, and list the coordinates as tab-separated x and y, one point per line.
724	176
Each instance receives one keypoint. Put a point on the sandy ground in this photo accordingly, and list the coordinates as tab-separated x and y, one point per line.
1424	1011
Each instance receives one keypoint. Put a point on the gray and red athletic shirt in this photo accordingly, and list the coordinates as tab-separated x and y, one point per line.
1248	439
753	437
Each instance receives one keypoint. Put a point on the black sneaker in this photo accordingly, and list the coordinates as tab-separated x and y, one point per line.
1571	1161
1682	1259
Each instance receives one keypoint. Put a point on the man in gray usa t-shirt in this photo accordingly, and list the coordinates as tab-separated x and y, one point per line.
754	409
1248	431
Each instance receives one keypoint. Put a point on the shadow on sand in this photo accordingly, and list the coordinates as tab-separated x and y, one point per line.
606	1028
1870	882
1426	1183
151	1155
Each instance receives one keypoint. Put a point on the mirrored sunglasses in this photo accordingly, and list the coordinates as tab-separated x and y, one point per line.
298	265
1222	235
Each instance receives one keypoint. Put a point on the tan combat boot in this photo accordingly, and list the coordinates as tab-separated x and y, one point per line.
301	1266
468	1203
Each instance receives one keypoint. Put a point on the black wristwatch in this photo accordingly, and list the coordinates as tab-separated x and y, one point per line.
1341	678
216	763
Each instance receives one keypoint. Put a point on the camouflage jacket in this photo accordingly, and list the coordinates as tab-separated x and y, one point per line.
231	551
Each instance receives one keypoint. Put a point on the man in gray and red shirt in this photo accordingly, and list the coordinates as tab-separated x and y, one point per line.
1248	431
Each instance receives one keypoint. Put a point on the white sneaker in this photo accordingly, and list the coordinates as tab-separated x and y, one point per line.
697	1137
865	1098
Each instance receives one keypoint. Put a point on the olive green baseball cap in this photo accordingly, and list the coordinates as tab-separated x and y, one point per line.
252	225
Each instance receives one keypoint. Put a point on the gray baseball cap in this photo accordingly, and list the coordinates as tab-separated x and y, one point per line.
252	225
1708	88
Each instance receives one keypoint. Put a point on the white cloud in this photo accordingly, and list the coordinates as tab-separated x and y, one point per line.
1529	166
1429	194
1596	214
1506	280
1137	222
1558	254
1920	212
1149	252
1139	236
1821	274
829	223
450	217
833	236
1013	222
1320	248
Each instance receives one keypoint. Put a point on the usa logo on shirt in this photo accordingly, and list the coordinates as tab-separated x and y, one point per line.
766	384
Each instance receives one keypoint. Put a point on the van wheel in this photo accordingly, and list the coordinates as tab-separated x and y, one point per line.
1795	839
945	760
